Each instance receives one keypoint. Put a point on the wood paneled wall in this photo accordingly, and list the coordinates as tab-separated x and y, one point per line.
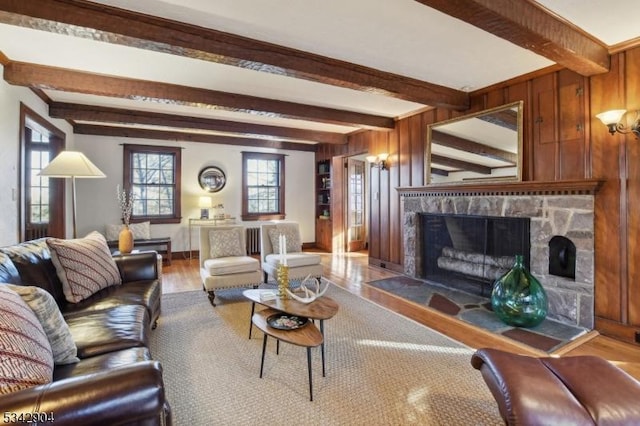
562	141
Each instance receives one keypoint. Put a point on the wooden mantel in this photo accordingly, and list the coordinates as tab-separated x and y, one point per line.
566	187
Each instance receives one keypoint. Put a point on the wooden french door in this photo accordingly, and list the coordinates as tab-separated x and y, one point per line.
42	211
356	208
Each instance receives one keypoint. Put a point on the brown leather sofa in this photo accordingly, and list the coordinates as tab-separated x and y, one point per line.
574	390
116	381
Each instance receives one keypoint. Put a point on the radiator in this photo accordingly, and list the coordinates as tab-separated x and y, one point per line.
253	240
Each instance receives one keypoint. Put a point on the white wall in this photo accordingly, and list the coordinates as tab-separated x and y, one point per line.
97	203
96	198
10	99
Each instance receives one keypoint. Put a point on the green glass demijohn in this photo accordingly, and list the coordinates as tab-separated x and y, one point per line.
518	297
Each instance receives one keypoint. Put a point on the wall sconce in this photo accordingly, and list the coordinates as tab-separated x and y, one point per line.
612	119
205	204
379	161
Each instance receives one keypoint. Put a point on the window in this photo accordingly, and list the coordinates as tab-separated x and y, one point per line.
262	186
38	201
152	173
42	206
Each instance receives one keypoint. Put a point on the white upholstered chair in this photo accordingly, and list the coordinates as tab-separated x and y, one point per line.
223	260
300	263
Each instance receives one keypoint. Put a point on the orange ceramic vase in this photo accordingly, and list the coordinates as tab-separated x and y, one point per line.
125	240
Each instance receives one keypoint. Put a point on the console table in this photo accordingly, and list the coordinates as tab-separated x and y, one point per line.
197	223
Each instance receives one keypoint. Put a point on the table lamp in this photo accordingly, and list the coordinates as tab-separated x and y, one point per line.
205	204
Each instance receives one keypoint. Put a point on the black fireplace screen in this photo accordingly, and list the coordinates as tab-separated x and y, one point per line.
462	250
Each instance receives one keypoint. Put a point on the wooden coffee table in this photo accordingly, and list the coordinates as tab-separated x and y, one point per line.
320	309
307	336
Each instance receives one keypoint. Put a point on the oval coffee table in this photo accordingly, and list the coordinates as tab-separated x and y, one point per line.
320	309
307	336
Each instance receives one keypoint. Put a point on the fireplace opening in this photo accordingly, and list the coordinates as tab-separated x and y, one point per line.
469	253
562	257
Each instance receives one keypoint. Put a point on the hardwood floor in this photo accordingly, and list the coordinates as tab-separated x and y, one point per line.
351	271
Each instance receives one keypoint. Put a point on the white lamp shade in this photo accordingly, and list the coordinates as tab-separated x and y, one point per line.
611	117
372	158
71	164
205	203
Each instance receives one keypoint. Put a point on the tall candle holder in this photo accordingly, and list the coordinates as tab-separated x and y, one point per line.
282	277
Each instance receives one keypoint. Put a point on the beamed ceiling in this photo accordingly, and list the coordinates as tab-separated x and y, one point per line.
288	74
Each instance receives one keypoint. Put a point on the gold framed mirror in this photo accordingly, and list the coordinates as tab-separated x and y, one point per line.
484	146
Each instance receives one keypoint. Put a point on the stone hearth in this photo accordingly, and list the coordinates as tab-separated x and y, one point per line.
568	215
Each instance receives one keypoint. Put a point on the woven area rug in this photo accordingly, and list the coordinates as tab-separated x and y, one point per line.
548	336
382	369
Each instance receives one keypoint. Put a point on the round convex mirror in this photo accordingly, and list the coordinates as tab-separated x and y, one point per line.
212	179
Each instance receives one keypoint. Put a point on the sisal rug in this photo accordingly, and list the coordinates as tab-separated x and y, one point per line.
382	369
548	336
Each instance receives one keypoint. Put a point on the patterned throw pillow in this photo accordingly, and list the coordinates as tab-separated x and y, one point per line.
227	242
290	231
84	265
26	359
141	231
46	309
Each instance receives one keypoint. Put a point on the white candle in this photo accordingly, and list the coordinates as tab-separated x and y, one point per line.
284	245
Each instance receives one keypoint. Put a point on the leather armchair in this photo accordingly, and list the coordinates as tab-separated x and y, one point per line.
575	390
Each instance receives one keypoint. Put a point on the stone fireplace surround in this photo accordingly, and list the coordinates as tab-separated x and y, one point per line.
555	208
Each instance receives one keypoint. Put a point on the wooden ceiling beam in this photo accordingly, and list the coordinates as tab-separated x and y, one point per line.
460	164
531	26
53	78
79	112
439	172
130	132
444	139
507	119
119	26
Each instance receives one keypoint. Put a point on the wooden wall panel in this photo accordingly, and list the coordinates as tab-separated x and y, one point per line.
385	199
374	201
406	168
543	103
572	162
417	142
405	155
395	226
632	83
571	127
494	98
337	204
607	93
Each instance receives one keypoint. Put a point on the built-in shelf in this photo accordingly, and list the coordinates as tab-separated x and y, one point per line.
324	231
566	187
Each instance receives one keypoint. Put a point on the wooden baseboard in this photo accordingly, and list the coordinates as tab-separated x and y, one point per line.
626	333
386	265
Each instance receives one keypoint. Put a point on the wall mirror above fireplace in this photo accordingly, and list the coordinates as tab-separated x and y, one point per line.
479	147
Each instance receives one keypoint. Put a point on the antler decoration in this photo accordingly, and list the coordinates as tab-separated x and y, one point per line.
310	296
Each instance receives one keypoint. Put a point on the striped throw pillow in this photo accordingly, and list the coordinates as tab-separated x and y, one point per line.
26	359
84	265
48	313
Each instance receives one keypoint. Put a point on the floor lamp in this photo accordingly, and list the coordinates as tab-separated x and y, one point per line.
71	164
